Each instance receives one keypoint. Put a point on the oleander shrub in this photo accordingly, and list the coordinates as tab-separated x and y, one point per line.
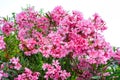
56	45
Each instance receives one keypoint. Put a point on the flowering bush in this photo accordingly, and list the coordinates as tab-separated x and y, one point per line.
56	45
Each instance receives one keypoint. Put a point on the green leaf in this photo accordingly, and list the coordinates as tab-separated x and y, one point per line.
96	77
41	11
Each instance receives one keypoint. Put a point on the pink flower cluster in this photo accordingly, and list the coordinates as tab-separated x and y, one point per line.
2	43
26	18
54	47
54	71
116	56
15	63
71	33
28	75
3	74
58	14
60	35
7	27
82	37
31	26
83	70
85	76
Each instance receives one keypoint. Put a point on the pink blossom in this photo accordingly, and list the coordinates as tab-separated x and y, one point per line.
58	14
28	74
15	63
14	60
46	66
78	15
2	66
116	56
18	66
86	75
43	23
2	43
54	71
98	22
2	74
7	28
55	63
27	18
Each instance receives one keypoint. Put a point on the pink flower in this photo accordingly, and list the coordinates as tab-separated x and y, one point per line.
106	74
7	28
116	56
43	23
86	75
2	74
17	66
99	23
14	60
55	63
2	66
26	19
58	14
54	71
78	15
46	66
27	70
2	43
28	74
15	63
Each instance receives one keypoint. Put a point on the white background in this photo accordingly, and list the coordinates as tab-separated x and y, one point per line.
109	10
